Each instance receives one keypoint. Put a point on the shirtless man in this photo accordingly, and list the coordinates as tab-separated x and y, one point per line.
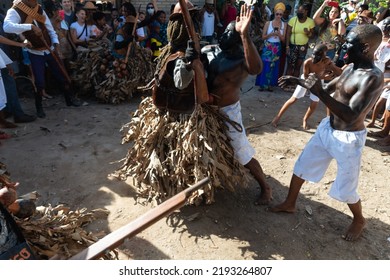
227	72
324	67
342	135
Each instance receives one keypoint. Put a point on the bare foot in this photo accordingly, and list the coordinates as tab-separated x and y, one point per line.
275	121
379	134
265	197
283	207
305	126
371	124
385	141
355	230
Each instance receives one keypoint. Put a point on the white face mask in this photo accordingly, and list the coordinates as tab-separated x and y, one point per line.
150	11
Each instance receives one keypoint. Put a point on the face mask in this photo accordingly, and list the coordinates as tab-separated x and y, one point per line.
300	15
150	11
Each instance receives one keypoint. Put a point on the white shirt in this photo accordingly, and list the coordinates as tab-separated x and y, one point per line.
208	24
4	59
12	24
85	34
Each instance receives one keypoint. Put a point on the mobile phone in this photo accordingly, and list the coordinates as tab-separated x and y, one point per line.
333	4
276	29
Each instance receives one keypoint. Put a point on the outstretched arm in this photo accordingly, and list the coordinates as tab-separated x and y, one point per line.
367	89
252	58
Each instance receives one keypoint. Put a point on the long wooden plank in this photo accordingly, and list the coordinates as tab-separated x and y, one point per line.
116	238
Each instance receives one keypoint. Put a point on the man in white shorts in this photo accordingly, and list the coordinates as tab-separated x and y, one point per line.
319	64
341	135
227	71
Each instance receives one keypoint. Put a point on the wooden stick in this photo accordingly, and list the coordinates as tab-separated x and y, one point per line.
201	90
132	42
116	238
59	62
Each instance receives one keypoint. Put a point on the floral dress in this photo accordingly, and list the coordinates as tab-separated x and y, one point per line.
270	56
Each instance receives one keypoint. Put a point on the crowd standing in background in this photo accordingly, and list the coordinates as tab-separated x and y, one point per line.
287	35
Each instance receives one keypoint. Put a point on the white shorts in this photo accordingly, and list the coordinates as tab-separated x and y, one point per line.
343	146
300	92
243	151
386	94
3	96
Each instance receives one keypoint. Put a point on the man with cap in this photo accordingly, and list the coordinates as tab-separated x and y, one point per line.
365	17
209	20
28	18
177	133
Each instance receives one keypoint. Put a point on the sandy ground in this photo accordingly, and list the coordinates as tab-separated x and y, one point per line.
68	158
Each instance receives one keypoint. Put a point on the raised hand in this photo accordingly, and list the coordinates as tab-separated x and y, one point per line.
243	21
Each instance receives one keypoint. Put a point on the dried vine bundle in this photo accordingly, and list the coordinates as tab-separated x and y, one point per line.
58	232
172	151
111	79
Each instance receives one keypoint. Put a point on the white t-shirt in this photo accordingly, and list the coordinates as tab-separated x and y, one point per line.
85	34
382	55
208	24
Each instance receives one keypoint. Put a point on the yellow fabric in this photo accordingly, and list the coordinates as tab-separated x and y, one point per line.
298	36
280	6
158	44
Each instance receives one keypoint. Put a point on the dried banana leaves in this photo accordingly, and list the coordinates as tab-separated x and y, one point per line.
171	151
109	79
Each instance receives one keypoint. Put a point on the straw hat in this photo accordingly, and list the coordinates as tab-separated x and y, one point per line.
90	6
177	10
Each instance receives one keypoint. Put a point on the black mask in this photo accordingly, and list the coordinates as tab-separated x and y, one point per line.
230	38
300	15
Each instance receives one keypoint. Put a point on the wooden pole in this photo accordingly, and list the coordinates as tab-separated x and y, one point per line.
133	41
116	238
201	90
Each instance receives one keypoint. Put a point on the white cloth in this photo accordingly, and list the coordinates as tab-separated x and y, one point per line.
208	24
12	24
3	96
343	146
274	39
4	61
382	55
85	34
388	103
182	77
300	92
243	151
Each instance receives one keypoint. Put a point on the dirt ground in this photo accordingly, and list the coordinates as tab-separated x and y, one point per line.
68	158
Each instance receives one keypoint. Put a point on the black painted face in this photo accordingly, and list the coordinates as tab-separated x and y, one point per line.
230	39
318	55
353	46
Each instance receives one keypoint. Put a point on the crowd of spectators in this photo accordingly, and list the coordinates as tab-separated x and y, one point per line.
287	34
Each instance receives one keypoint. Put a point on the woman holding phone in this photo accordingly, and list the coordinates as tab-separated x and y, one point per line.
274	33
330	27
